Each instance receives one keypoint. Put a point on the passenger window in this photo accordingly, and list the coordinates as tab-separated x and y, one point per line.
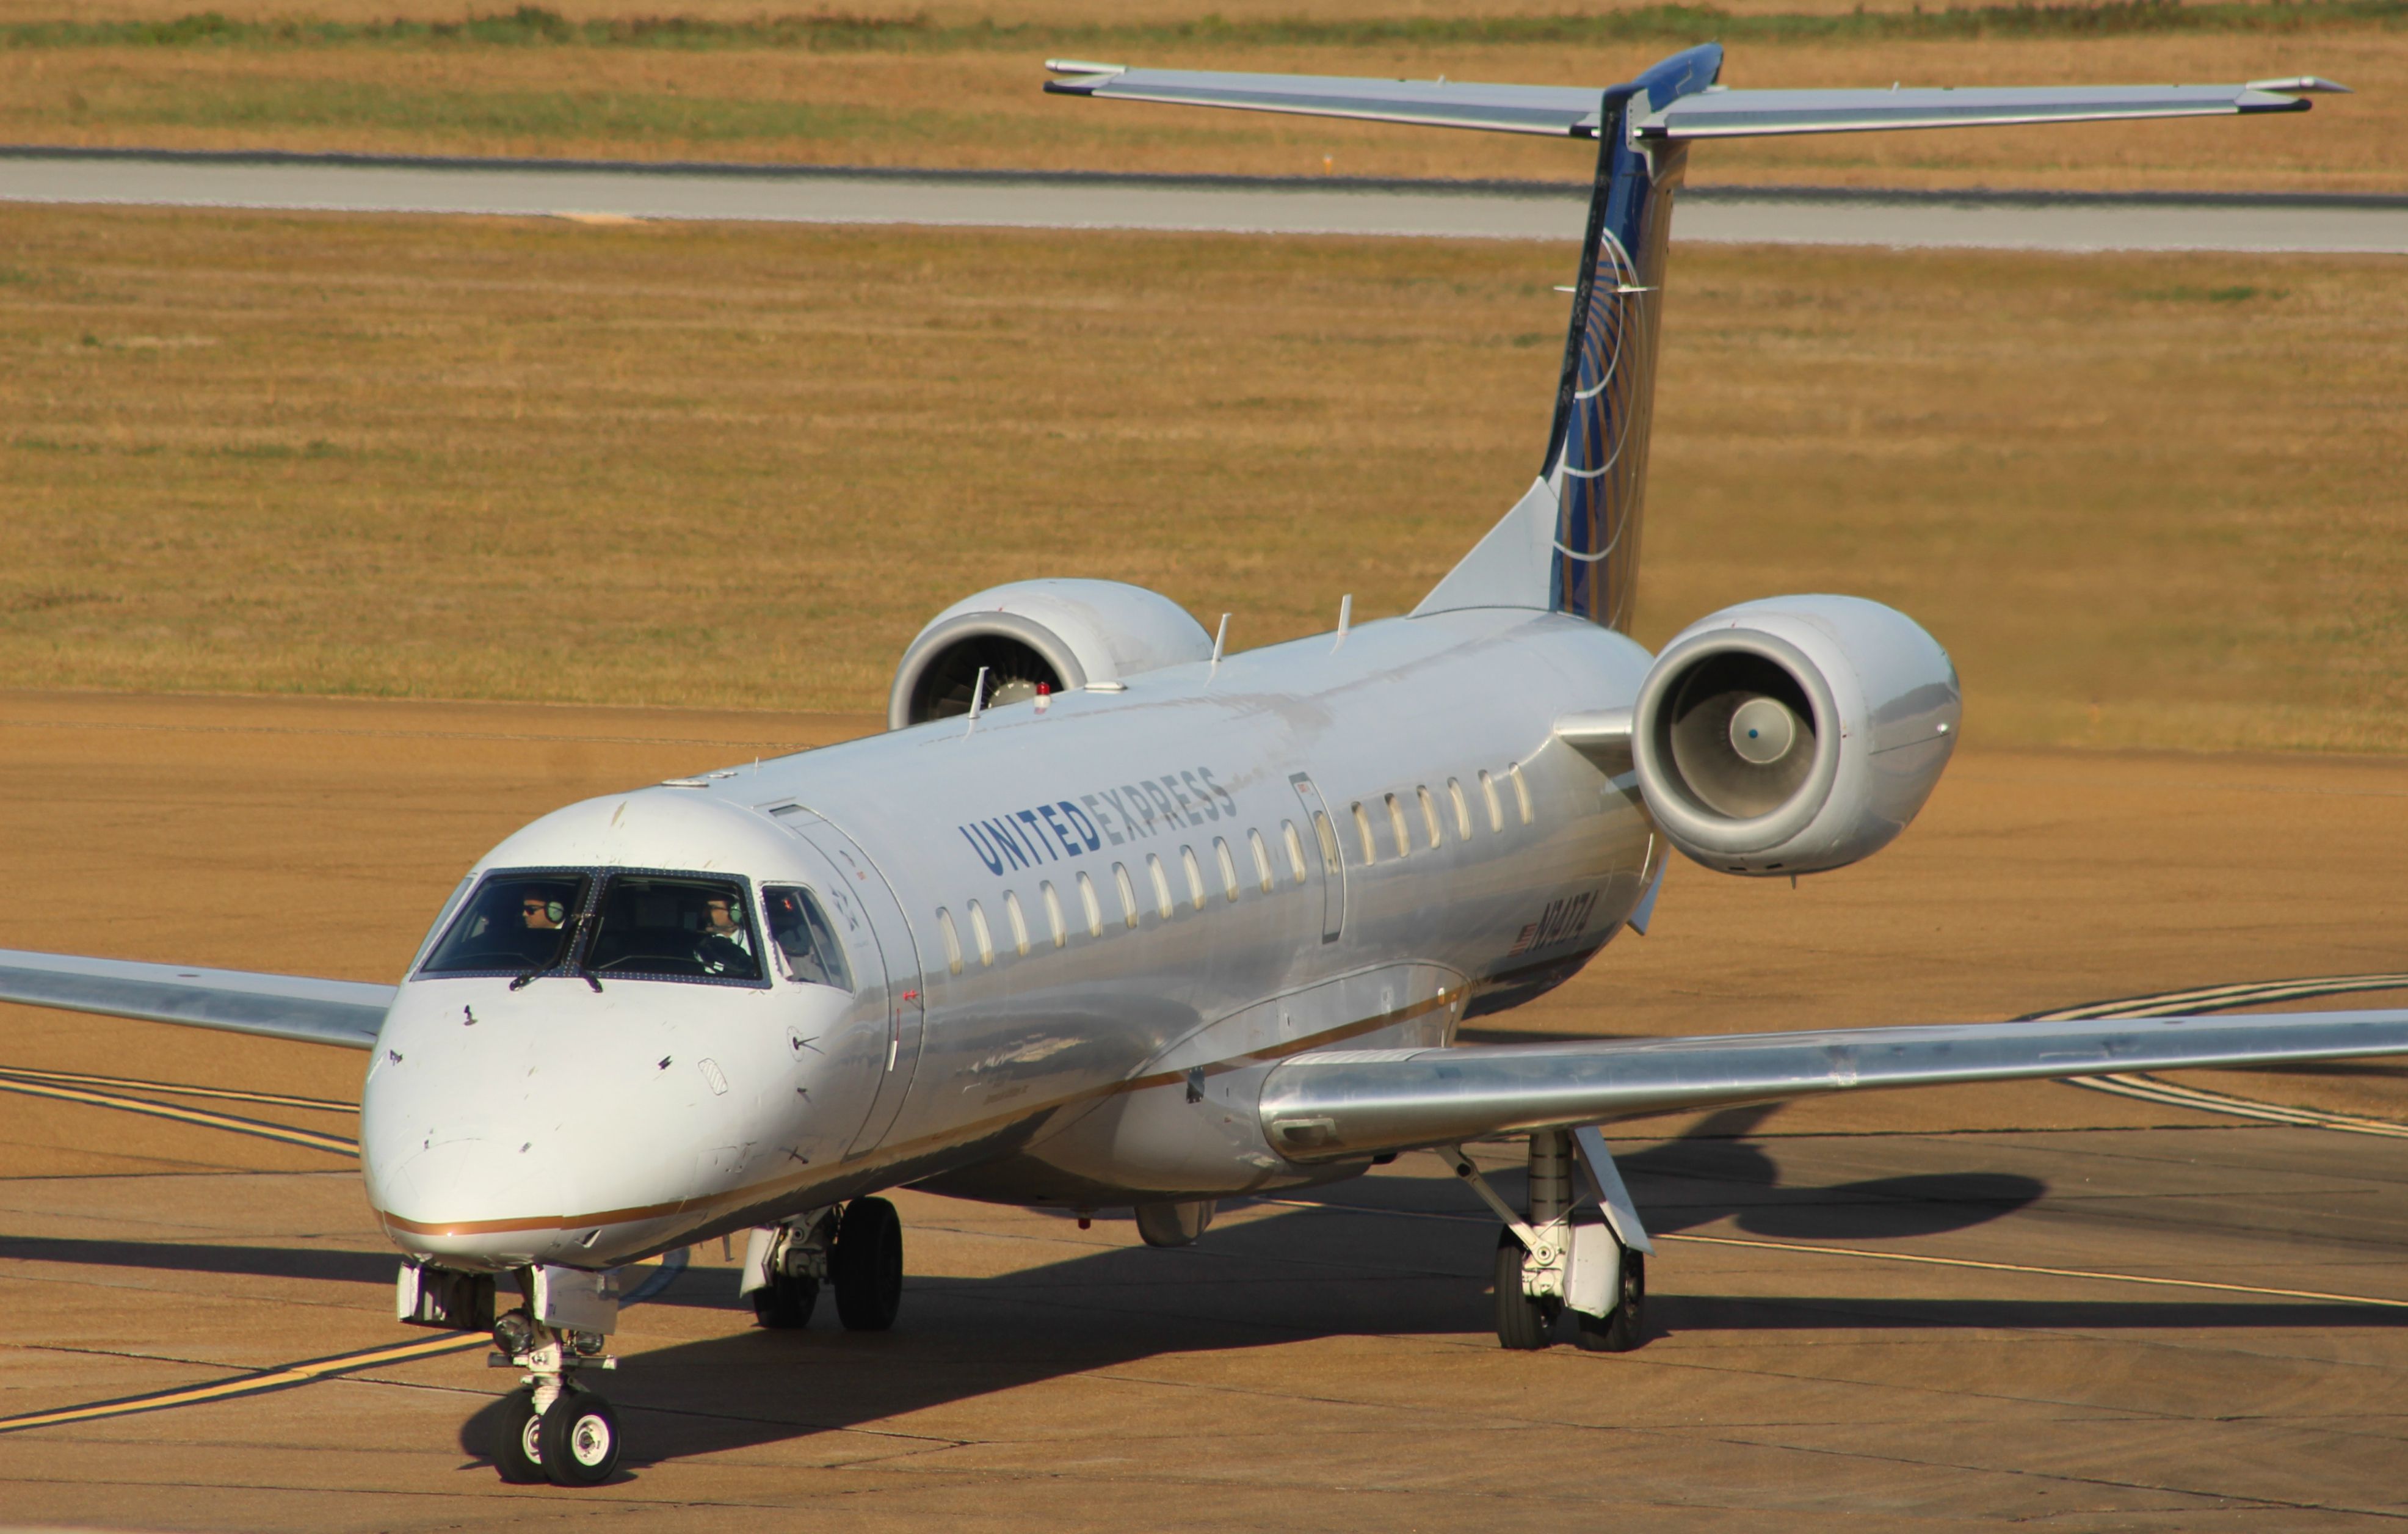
1521	791
1092	907
1462	809
1163	903
806	943
952	940
1262	860
514	924
1053	914
1396	826
1363	825
1228	868
673	928
1295	848
1489	792
1019	923
1429	816
1127	894
1194	875
979	935
1328	838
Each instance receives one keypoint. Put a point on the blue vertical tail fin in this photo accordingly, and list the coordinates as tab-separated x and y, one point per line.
1571	545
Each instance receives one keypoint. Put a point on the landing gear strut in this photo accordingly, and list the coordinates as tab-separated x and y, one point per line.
1590	1262
785	1266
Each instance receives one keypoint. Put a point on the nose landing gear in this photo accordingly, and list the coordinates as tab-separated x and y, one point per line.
551	1428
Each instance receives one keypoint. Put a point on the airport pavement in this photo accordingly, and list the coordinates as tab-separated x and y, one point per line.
1867	1309
1493	210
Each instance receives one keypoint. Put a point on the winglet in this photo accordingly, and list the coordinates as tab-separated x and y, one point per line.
2300	85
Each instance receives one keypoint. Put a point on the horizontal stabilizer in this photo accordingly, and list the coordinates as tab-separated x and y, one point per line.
1560	111
310	1011
1336	1104
1576	112
1750	114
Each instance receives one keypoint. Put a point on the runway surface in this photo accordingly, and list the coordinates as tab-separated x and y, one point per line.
1505	210
1968	1306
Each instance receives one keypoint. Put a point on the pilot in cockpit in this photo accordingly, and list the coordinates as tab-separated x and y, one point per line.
727	942
542	915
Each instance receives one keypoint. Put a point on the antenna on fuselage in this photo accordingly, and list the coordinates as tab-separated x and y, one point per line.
1220	638
1345	616
978	701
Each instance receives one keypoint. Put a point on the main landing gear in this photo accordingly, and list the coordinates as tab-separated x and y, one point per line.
860	1252
1563	1259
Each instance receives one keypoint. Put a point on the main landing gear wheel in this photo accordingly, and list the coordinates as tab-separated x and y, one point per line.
1522	1323
517	1456
579	1440
867	1266
1626	1328
785	1302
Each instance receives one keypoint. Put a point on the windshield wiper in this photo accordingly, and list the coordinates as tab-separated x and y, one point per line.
575	946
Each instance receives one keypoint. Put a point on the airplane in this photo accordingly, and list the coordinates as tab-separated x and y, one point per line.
1112	918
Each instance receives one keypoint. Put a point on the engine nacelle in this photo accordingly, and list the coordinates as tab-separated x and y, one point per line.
1795	734
1061	634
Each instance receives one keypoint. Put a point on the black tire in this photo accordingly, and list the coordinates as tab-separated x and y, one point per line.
579	1438
866	1265
1522	1323
1626	1328
786	1301
516	1455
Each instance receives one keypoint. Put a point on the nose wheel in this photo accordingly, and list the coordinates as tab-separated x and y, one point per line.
579	1435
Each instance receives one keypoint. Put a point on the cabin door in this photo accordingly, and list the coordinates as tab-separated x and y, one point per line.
1321	839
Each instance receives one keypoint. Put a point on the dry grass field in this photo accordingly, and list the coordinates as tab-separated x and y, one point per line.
2144	500
956	85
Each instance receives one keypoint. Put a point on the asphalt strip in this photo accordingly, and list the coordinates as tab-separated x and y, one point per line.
612	191
66	1084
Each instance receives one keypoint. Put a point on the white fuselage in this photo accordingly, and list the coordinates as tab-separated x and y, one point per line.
1070	966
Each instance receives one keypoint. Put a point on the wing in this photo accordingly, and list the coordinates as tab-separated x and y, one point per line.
1322	1107
311	1011
1575	112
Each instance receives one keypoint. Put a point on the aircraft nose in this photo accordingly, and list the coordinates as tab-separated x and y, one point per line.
500	1129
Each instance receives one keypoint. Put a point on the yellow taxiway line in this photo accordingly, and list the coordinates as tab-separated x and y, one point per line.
2045	1272
21	1083
2145	1087
281	1377
182	1089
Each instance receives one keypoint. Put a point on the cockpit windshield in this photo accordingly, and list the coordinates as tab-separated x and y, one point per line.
516	923
526	924
807	945
673	926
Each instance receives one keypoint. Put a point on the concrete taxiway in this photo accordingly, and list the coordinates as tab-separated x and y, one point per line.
1244	204
1976	1305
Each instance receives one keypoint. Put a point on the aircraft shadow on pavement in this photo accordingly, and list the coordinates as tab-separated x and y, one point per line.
1389	1255
1341	1264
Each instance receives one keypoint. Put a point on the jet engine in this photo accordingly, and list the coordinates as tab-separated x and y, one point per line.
1794	734
1058	633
